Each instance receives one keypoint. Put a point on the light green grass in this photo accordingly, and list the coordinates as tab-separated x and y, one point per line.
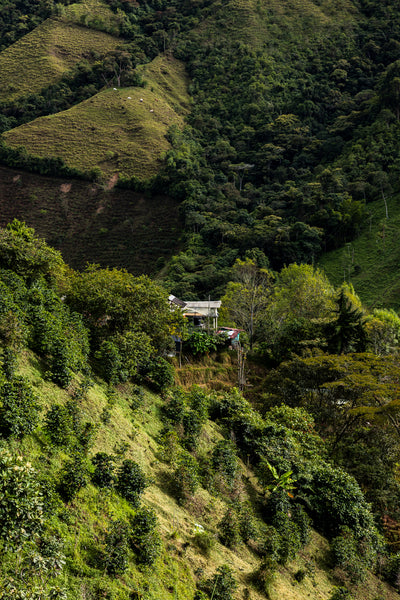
371	262
43	55
120	131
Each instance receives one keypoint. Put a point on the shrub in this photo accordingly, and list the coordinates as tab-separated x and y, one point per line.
204	541
225	461
144	538
223	584
340	593
73	477
21	506
159	374
104	475
348	556
115	556
229	533
19	411
199	342
131	481
186	475
58	425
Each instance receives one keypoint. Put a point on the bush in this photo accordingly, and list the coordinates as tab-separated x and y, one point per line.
199	342
58	425
144	538
225	461
131	481
73	477
186	475
204	541
115	556
159	374
223	584
229	533
104	475
21	505
19	411
348	556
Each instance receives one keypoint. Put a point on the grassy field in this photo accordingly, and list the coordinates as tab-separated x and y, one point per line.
121	131
371	262
43	55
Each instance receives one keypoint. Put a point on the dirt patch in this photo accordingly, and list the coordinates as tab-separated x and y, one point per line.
112	182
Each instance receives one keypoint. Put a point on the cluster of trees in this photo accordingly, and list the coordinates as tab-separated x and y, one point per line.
321	436
284	146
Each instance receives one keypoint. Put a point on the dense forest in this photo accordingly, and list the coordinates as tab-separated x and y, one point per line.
293	127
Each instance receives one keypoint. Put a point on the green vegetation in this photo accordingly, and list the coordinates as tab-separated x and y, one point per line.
133	122
109	487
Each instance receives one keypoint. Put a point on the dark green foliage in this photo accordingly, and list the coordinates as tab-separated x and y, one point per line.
104	475
175	407
144	537
223	585
19	408
247	524
186	476
158	373
59	425
200	342
341	593
73	477
115	554
204	541
347	331
337	501
131	481
225	461
229	529
350	557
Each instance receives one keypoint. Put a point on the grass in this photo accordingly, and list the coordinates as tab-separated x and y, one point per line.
83	522
43	55
118	130
371	261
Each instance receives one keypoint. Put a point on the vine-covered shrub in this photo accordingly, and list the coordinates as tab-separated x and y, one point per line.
19	407
131	481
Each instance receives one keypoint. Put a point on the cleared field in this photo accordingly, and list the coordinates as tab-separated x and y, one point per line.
43	55
118	130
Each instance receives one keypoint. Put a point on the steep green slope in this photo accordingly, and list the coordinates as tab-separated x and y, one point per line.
44	54
371	261
120	131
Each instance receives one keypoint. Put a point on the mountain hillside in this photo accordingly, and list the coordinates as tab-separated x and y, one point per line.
284	125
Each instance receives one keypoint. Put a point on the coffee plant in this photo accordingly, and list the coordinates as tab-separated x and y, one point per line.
19	411
131	481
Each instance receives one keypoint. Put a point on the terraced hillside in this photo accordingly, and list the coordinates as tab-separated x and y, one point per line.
89	223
